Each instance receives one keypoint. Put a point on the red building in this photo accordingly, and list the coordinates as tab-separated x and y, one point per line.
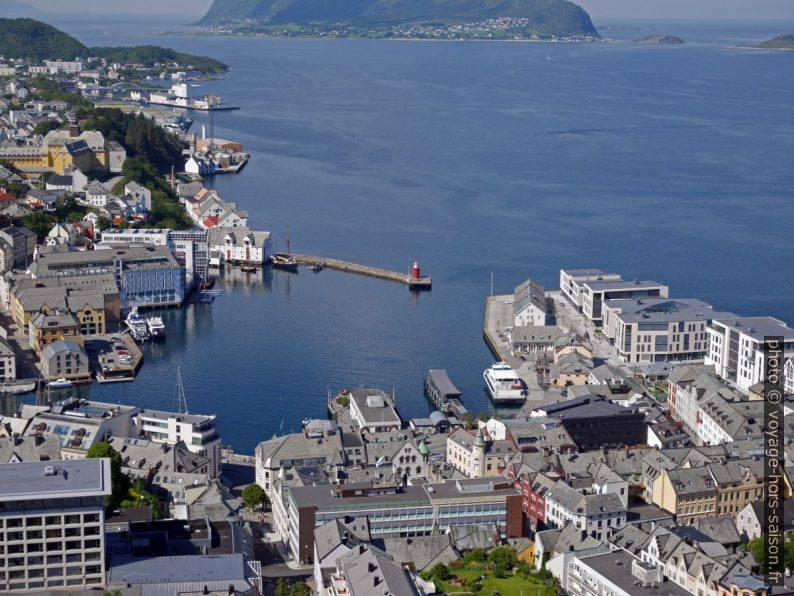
533	487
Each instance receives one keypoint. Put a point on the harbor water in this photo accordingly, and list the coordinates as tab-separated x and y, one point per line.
517	159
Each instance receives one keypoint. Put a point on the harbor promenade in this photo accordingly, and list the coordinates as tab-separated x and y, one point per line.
416	283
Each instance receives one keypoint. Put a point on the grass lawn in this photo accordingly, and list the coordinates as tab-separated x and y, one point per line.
508	586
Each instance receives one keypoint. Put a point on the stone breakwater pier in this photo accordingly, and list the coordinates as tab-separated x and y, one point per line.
413	279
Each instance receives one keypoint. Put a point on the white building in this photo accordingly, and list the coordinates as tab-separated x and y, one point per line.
198	433
158	237
52	519
736	347
572	280
529	305
615	573
595	293
58	66
596	515
788	374
372	411
8	363
659	329
98	195
201	166
240	245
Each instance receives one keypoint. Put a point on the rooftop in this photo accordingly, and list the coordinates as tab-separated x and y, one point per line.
616	568
69	478
758	327
665	310
622	284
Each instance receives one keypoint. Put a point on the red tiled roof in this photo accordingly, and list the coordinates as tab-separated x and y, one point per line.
211	221
4	196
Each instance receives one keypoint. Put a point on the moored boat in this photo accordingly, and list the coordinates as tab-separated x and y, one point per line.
284	261
156	328
503	383
137	325
60	383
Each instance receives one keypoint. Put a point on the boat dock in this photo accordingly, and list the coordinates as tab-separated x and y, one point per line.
414	280
439	389
111	367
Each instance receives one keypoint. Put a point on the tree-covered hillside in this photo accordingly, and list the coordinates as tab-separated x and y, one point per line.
34	40
551	17
28	38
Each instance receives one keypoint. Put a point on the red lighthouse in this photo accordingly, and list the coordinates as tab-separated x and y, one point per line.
415	272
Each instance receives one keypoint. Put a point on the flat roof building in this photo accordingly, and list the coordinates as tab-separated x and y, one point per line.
736	347
571	282
595	293
403	511
659	329
52	524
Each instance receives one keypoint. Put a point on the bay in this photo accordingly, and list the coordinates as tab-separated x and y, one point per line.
670	163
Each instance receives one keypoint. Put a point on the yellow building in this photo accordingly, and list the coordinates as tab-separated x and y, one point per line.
90	314
708	491
48	327
60	150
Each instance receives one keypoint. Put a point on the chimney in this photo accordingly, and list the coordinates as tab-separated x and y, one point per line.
74	128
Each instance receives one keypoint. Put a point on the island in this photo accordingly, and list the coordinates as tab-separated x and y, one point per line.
36	40
404	19
670	40
781	42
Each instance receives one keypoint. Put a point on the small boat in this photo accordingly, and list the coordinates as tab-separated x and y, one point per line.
504	384
60	384
284	261
18	387
137	325
317	267
156	328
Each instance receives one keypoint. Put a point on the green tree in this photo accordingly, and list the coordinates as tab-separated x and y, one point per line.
476	556
282	587
299	588
470	423
254	496
440	572
502	557
483	416
42	128
39	223
120	482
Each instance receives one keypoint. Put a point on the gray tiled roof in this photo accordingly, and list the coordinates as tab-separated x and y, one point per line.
370	571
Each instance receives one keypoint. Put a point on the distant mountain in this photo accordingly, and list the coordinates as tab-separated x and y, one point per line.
28	38
661	39
781	42
547	17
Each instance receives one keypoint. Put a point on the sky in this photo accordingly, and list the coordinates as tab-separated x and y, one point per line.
598	9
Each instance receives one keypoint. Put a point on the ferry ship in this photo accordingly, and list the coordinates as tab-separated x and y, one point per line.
137	325
156	328
504	384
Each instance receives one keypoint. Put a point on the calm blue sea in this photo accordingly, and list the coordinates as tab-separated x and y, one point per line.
671	163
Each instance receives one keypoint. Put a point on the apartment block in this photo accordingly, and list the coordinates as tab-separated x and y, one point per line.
595	293
572	282
52	525
659	329
736	347
198	433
